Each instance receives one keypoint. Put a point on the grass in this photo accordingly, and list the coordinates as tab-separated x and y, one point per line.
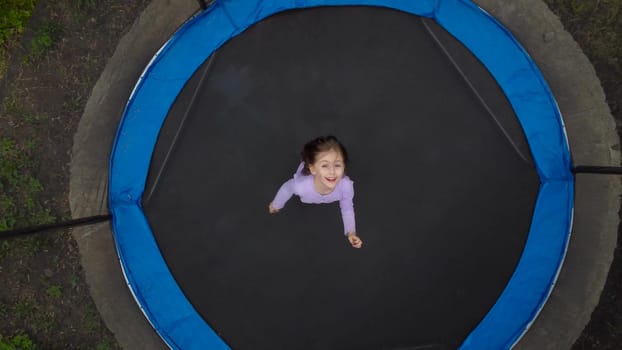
18	342
25	308
35	314
14	16
21	199
73	281
44	40
4	310
55	61
54	292
19	188
21	116
4	249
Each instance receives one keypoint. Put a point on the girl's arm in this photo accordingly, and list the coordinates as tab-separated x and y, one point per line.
347	208
347	214
282	196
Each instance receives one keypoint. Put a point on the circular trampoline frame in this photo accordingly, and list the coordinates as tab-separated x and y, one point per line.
148	277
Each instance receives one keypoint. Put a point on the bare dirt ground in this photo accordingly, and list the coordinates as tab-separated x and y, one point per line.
50	77
43	293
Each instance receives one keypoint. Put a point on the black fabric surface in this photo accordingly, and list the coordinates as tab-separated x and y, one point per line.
443	201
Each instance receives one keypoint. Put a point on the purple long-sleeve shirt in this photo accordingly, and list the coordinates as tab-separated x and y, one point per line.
302	186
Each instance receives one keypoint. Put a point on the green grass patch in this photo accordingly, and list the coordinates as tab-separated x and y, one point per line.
31	245
4	310
54	292
74	281
44	40
25	309
18	342
19	189
4	250
14	16
21	115
19	197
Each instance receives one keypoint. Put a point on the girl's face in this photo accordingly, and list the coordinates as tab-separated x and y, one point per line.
328	169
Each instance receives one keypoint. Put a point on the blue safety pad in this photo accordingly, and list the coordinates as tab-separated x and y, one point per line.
535	274
519	78
153	286
148	276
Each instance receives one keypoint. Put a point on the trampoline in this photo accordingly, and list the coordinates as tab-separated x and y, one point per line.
459	158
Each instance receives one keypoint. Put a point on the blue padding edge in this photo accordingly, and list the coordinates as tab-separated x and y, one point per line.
149	279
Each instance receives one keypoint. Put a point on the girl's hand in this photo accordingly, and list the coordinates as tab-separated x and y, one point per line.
355	240
272	209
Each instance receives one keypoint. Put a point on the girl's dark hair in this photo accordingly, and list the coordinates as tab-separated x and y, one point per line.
318	145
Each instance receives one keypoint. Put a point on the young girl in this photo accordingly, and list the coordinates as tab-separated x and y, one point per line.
320	179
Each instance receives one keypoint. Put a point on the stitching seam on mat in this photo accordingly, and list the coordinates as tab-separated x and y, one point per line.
179	129
474	90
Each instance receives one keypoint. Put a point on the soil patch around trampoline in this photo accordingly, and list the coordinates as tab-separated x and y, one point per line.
44	296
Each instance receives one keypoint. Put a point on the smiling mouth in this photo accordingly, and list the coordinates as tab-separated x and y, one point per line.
331	180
